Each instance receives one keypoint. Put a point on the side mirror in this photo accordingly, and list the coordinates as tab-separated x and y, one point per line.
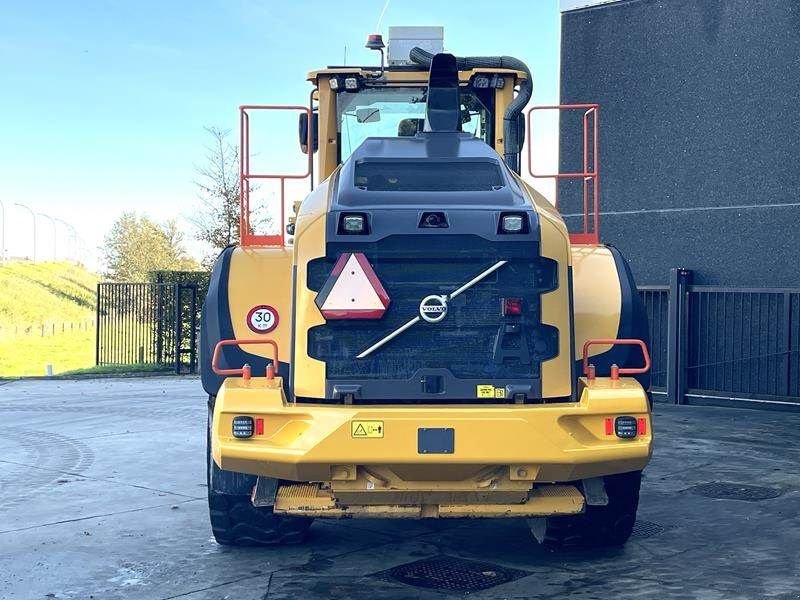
302	131
368	115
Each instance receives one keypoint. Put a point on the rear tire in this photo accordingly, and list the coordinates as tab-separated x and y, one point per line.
236	522
598	526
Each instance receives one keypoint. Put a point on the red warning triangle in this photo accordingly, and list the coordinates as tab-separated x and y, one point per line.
353	290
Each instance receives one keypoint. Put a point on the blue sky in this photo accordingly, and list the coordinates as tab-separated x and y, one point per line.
103	104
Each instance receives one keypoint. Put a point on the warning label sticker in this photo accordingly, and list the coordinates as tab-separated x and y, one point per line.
489	391
366	429
485	391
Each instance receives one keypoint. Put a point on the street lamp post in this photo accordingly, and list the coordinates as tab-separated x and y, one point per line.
33	214
53	224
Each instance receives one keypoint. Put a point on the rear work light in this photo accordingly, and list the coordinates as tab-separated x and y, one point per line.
347	83
513	223
480	82
353	224
512	307
243	427
626	427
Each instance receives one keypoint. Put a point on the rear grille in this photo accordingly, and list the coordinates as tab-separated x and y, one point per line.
470	342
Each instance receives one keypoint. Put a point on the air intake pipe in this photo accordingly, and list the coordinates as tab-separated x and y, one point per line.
513	128
443	108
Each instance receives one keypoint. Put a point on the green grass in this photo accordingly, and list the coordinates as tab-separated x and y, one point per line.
35	293
46	317
29	354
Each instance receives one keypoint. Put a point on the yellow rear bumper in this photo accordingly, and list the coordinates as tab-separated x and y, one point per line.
536	443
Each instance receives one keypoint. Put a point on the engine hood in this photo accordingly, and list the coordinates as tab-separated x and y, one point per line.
433	169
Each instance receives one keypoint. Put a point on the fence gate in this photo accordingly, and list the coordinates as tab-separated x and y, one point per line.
152	325
724	346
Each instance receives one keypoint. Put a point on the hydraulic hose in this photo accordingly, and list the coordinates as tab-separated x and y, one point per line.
512	135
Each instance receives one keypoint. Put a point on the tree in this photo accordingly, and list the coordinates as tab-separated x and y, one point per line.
137	246
217	220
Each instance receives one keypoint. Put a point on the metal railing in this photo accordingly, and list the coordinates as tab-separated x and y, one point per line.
589	175
247	176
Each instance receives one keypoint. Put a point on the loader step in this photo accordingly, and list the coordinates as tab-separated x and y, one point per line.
316	500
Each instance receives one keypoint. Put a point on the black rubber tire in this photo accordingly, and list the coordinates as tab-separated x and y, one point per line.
236	522
598	526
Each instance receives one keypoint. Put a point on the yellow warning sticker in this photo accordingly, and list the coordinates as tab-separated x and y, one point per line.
485	391
366	429
489	391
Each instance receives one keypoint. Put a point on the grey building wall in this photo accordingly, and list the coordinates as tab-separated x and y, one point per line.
699	130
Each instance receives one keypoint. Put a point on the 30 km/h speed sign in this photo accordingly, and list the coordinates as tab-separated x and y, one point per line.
262	318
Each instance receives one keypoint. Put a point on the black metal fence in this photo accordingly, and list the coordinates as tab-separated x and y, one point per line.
656	301
148	325
733	346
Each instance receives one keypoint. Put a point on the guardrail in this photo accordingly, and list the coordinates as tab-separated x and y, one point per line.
245	371
616	371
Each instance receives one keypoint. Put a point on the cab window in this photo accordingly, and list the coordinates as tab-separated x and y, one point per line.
399	111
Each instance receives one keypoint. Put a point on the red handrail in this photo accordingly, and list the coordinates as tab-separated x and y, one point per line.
244	371
590	173
247	238
616	372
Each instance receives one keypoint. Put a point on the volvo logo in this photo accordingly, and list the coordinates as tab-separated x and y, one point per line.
433	308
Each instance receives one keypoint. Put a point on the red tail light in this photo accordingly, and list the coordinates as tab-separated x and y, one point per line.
512	307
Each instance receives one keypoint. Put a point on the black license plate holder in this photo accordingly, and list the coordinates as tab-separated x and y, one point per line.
436	440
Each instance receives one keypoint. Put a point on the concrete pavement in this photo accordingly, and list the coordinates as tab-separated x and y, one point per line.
102	495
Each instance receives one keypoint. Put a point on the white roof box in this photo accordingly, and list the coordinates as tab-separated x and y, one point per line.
403	39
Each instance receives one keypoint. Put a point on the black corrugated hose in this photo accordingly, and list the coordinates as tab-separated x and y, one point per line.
514	138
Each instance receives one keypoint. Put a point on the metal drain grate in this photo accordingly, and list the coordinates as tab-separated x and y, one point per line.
451	574
724	490
646	529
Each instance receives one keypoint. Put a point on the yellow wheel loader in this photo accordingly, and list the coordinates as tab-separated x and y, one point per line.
424	338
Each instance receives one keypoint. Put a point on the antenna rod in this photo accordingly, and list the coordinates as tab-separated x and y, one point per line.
380	18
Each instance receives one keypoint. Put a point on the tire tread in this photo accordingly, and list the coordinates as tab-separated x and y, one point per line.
598	526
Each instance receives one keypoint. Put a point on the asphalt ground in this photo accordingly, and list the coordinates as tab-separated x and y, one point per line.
102	495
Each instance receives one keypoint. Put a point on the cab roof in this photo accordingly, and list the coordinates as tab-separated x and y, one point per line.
402	72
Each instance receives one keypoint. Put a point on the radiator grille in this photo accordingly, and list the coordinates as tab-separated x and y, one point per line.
472	341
